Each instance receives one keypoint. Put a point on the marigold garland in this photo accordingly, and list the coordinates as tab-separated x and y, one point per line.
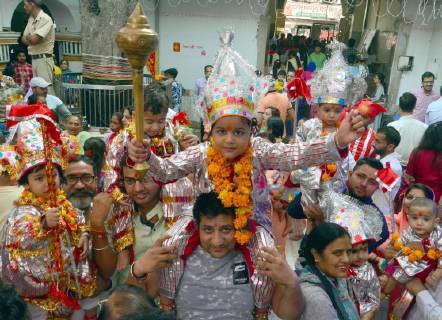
414	255
234	192
68	220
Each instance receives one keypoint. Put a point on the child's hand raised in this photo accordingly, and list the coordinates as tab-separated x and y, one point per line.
138	152
351	128
52	217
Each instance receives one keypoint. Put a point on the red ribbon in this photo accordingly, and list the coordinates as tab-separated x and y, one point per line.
181	119
387	178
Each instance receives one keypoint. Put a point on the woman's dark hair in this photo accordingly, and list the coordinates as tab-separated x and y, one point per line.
432	140
130	109
11	304
156	100
276	128
119	116
318	239
97	153
424	188
381	78
209	205
24	179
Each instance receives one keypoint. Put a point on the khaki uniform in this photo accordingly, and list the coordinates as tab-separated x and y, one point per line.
43	26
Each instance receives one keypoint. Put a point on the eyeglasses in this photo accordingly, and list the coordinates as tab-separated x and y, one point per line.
85	179
132	181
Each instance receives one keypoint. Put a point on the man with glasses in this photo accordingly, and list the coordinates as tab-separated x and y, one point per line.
135	223
425	95
81	183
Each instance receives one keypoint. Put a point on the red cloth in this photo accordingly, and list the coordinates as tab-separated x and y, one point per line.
298	87
36	111
23	74
423	170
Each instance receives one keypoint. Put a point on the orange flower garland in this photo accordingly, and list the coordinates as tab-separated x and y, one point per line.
236	193
414	255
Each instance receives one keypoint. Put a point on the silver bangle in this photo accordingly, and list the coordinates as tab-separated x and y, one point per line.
101	249
139	279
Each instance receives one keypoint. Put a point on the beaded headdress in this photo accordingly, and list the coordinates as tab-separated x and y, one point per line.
233	88
335	83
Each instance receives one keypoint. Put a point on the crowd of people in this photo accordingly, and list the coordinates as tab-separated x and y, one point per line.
196	225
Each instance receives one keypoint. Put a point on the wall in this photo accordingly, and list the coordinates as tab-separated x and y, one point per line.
7	9
192	25
414	38
66	13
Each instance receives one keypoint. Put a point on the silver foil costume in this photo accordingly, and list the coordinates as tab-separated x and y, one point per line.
266	156
366	288
407	269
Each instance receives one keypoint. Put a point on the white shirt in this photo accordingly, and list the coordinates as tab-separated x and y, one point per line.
411	131
385	200
434	112
428	305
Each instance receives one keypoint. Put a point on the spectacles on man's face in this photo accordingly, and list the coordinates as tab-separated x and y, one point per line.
132	181
85	179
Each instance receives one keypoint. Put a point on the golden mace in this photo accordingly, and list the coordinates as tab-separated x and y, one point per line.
137	40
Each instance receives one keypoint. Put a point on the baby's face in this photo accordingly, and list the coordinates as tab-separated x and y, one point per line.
329	113
359	254
422	220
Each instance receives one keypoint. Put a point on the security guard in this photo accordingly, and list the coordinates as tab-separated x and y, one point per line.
39	36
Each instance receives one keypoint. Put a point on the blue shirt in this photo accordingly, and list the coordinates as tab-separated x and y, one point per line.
53	102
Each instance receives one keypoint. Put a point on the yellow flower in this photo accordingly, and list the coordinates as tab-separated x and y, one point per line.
331	167
240	222
433	253
235	193
243	237
419	254
395	236
397	245
412	257
406	251
325	177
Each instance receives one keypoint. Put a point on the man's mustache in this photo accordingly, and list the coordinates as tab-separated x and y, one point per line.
81	193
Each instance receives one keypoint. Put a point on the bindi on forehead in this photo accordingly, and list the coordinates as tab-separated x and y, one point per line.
422	212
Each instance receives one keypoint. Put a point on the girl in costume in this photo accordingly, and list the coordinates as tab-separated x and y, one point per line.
44	242
233	164
419	253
